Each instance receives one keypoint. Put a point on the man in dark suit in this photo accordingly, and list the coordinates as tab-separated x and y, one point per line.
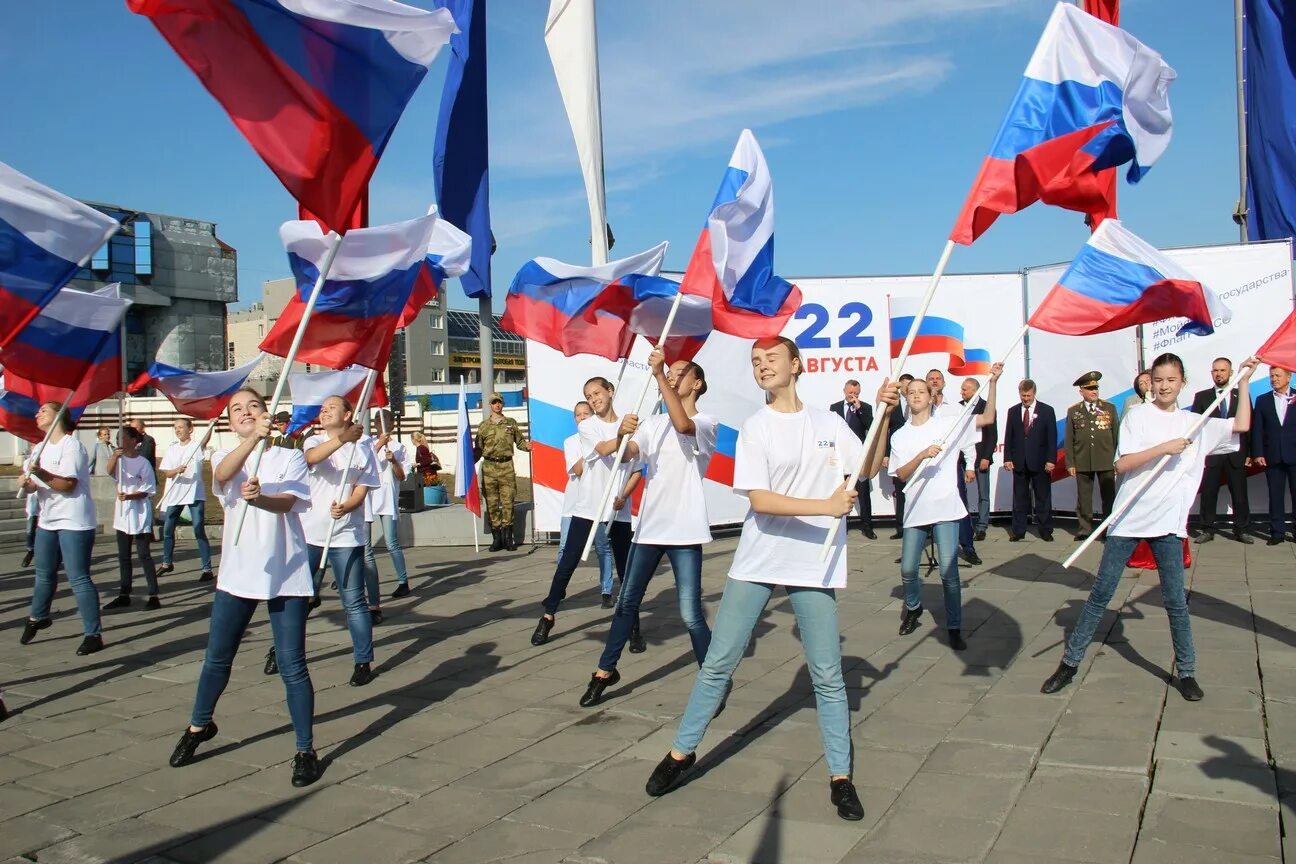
1231	467
985	450
1273	447
898	418
859	417
1090	435
1030	452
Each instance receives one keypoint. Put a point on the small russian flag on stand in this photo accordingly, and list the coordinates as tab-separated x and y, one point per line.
466	462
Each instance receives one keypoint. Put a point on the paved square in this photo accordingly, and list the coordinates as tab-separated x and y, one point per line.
470	745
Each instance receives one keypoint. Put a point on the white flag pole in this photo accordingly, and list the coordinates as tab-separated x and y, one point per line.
202	444
876	428
366	394
967	409
35	461
625	440
240	512
1146	480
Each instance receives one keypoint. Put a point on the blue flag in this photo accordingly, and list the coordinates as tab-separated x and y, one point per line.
1270	40
461	157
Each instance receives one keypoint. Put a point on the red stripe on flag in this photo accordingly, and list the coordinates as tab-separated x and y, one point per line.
1073	314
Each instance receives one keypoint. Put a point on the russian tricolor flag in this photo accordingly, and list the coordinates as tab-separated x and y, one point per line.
449	255
18	414
203	395
45	238
1118	280
651	298
936	335
308	390
316	86
73	343
733	263
466	469
578	310
363	298
1093	97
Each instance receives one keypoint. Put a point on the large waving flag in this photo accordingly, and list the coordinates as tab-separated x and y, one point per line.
936	335
18	414
733	263
647	301
1118	280
316	86
1280	349
448	256
461	152
1269	73
361	303
308	390
1093	97
466	467
45	238
578	310
203	395
74	341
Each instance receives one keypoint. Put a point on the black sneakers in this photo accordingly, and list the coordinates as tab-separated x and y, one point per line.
206	576
957	642
666	775
362	675
594	692
845	799
607	601
153	602
27	559
306	769
90	645
272	662
31	627
375	617
121	601
188	744
402	590
165	569
910	620
541	634
637	643
1060	678
1190	690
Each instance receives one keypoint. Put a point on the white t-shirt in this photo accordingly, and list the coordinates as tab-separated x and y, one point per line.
673	510
187	486
32	504
325	479
571	455
1163	508
932	495
383	500
135	516
803	455
269	559
952	410
66	511
598	469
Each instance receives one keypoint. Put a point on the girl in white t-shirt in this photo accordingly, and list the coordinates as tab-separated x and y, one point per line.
65	526
382	507
182	466
575	466
674	449
1160	515
600	437
133	516
933	505
267	563
330	454
791	463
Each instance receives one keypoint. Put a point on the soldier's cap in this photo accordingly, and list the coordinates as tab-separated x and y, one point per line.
1087	379
495	397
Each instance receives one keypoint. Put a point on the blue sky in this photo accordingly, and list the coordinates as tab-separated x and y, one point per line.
874	116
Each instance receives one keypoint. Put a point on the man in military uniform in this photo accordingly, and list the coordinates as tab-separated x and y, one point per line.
497	435
1089	440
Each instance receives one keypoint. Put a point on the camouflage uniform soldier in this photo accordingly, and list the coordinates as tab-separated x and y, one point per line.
1091	436
496	437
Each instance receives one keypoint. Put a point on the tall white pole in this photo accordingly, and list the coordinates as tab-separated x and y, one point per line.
871	437
1240	214
240	512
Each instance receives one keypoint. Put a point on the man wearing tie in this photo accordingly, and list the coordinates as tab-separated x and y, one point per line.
898	418
1231	467
1030	453
859	417
1273	447
1090	440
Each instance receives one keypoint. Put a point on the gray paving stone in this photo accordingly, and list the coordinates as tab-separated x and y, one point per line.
372	843
772	839
635	842
936	836
1111	792
579	810
333	809
974	758
510	841
1228	783
1229	828
1053	834
27	834
1097	753
249	841
452	813
129	840
1151	851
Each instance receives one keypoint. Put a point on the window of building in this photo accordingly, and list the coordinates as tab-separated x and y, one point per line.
438	376
99	261
231	364
143	247
436	321
438	348
260	330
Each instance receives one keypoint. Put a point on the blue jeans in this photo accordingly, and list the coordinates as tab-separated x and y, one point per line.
72	548
125	569
911	549
578	531
1168	552
602	548
31	534
230	616
388	526
983	499
197	511
816	614
347	563
965	536
686	562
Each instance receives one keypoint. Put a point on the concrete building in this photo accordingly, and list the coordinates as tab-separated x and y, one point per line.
179	276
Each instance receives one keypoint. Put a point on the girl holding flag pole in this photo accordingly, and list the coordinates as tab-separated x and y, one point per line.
1159	516
790	463
270	564
182	467
133	516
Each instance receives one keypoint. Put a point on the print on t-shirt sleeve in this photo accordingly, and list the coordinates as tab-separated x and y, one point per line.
1218	437
288	478
751	463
